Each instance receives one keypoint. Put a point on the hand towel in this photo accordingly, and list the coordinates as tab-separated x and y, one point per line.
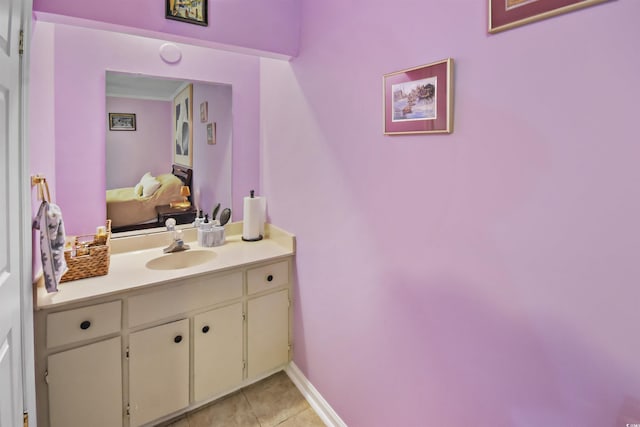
52	237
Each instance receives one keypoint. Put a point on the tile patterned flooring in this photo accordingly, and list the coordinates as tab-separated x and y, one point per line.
274	401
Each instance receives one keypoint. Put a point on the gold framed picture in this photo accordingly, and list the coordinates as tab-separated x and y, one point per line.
507	14
191	11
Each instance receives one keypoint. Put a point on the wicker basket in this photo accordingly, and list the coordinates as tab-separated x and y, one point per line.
91	257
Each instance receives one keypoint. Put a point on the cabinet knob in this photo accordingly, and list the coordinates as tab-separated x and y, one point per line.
85	325
205	329
177	339
270	278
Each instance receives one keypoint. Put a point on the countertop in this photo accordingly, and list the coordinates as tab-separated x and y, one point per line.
127	269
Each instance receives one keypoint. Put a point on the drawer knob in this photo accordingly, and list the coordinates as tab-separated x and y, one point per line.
270	278
177	339
205	329
85	325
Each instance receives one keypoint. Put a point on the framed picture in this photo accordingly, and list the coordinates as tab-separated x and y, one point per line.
122	121
507	14
183	127
204	112
419	99
211	134
191	11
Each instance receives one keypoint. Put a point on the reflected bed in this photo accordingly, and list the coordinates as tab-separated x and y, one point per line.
126	206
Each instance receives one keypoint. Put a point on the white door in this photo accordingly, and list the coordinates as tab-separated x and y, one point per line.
11	397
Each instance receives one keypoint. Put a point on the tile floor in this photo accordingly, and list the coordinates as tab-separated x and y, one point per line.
274	401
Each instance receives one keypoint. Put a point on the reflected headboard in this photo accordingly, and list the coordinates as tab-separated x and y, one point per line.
186	176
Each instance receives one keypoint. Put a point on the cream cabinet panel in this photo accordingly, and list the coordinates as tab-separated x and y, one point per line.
158	371
267	332
217	351
267	277
191	294
85	386
84	323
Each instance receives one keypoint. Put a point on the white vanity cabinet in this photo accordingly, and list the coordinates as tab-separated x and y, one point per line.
268	320
79	377
158	371
218	362
154	352
85	385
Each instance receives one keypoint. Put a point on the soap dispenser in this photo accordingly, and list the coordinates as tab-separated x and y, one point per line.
204	230
199	219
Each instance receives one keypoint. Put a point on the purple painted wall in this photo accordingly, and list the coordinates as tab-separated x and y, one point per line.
483	278
80	58
41	137
212	163
129	155
271	26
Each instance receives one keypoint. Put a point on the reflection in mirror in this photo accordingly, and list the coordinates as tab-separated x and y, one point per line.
171	156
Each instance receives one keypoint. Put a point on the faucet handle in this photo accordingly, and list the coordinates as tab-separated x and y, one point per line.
170	223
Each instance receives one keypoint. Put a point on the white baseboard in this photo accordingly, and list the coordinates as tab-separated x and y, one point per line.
317	402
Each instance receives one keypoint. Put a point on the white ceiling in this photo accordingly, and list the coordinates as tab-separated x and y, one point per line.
142	87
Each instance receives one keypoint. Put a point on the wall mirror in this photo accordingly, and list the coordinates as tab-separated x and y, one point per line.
168	150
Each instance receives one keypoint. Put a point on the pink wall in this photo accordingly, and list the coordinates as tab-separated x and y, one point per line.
129	154
81	57
212	163
270	26
488	277
41	104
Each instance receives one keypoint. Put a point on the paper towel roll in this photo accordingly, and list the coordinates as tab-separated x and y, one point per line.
253	218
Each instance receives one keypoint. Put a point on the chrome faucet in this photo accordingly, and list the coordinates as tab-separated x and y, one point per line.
178	244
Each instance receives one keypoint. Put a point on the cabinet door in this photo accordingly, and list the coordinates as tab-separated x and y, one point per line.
85	386
158	371
217	351
267	332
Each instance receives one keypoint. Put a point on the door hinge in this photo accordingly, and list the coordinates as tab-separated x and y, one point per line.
46	377
126	353
244	316
21	43
127	410
244	365
25	419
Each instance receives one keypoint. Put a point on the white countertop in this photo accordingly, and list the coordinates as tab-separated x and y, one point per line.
127	270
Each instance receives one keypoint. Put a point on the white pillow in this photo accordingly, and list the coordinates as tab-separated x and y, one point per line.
150	186
137	190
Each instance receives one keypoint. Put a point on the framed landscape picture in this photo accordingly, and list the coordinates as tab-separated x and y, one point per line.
191	11
419	99
506	14
122	121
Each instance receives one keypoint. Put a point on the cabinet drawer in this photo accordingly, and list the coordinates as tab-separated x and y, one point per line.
267	277
66	327
191	294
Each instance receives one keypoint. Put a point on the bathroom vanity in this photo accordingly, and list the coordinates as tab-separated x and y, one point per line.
159	336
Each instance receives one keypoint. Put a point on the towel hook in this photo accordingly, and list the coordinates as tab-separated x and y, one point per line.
43	187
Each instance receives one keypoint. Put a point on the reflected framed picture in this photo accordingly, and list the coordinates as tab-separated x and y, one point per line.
191	11
507	14
122	121
211	134
204	112
419	99
183	127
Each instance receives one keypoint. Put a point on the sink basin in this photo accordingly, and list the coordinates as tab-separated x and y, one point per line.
178	260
